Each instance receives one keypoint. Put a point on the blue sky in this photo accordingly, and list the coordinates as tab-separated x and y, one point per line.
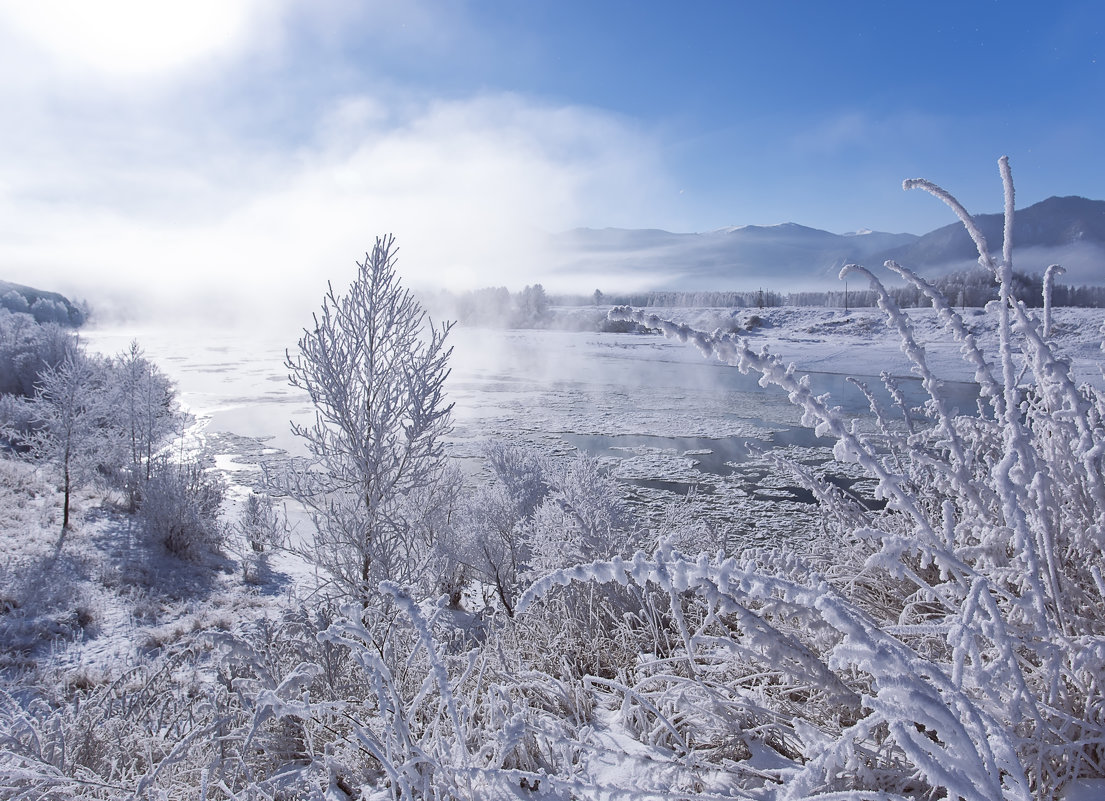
262	144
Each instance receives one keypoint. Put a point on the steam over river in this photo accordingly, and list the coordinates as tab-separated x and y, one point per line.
667	422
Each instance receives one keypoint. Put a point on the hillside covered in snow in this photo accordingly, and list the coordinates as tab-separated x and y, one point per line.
787	257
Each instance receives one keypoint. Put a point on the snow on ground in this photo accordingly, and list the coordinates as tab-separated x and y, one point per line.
88	603
91	603
860	341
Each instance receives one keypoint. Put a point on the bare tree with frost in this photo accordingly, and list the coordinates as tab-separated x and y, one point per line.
144	409
67	412
375	369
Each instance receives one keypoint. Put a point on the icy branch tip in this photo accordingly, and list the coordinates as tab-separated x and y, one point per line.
395	590
847	270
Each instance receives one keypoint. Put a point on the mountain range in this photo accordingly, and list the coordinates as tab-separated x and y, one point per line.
1066	230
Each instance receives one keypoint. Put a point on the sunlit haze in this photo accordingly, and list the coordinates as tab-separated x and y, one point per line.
234	155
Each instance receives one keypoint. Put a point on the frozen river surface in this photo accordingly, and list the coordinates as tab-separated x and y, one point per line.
668	423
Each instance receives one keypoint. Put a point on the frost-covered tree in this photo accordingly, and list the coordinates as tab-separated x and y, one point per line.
14	301
26	348
68	413
143	403
45	310
532	307
375	369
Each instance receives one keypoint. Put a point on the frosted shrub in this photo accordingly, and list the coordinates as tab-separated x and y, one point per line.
259	713
180	509
150	726
380	705
489	536
521	472
583	517
488	543
954	645
538	514
443	719
685	524
37	610
259	524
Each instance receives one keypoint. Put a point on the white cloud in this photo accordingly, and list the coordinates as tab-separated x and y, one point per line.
828	136
836	134
469	188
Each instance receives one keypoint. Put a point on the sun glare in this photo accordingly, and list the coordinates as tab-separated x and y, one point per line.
131	37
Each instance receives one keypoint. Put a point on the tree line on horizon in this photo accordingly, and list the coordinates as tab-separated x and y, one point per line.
533	307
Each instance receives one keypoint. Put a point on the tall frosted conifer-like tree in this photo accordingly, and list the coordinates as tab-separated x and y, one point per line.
375	369
69	418
143	405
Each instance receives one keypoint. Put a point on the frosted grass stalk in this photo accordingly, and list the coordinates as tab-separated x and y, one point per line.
1049	280
1017	450
916	354
953	322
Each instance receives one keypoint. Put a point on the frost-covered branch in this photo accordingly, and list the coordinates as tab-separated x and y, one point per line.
1049	281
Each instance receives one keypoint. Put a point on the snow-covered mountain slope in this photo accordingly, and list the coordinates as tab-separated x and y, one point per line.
737	257
1060	230
1069	231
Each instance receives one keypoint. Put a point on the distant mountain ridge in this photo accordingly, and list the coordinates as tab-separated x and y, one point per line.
1057	222
1065	230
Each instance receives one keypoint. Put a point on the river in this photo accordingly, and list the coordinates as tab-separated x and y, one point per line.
669	424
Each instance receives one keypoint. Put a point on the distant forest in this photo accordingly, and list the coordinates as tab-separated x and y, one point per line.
533	307
972	288
44	307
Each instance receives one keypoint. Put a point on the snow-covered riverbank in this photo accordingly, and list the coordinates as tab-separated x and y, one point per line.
861	341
